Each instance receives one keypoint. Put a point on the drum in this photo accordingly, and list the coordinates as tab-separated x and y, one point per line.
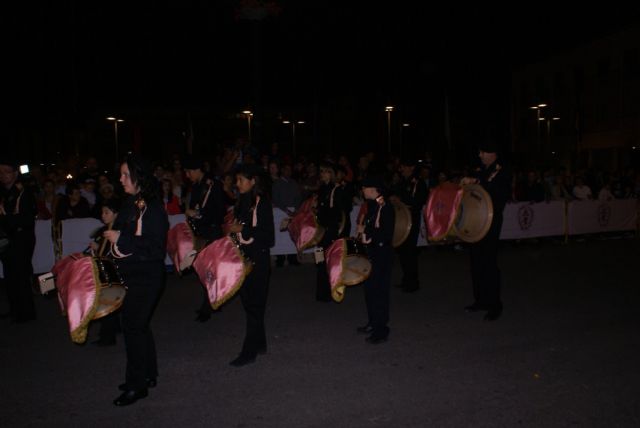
304	228
88	288
110	300
222	268
347	264
475	214
462	212
183	245
403	223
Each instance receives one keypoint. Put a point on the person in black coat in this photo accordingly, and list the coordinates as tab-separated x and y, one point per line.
138	243
205	214
377	234
413	192
330	214
253	226
17	223
495	177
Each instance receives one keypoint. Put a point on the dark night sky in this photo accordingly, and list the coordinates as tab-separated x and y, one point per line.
78	59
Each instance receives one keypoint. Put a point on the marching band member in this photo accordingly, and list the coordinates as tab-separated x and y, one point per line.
330	201
17	222
413	192
138	242
254	228
377	234
205	213
485	275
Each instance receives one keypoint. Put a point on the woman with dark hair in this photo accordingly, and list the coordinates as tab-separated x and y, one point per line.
138	242
169	200
253	226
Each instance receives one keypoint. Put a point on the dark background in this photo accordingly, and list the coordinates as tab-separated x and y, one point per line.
165	65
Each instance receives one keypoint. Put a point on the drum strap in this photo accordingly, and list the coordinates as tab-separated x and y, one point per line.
333	191
16	210
254	223
206	195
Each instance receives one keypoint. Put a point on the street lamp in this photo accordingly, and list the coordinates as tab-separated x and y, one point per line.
549	120
248	114
388	109
404	125
115	121
538	108
293	132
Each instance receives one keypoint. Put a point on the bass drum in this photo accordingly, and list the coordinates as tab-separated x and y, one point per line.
403	223
475	214
347	264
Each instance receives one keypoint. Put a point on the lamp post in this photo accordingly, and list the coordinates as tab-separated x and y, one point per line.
293	133
115	121
388	109
549	120
404	125
538	109
248	114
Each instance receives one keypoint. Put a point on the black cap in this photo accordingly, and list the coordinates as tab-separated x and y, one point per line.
373	181
191	162
488	145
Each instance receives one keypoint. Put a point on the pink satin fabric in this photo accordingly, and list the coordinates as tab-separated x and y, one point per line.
180	242
222	270
335	256
303	226
78	291
441	210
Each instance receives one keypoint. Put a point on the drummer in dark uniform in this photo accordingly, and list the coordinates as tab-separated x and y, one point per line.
205	214
138	242
17	223
413	192
377	234
495	178
330	214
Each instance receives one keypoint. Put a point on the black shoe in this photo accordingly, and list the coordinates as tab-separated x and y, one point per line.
243	360
376	340
294	263
493	314
130	397
104	342
365	329
151	383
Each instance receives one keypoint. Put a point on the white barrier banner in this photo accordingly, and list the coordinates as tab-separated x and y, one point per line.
43	254
526	220
597	216
76	234
173	220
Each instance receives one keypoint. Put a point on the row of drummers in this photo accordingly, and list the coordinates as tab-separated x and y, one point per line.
89	287
453	212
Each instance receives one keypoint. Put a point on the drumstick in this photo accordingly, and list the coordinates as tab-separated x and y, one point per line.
104	241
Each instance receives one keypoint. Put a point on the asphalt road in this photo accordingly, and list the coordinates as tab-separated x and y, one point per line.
564	353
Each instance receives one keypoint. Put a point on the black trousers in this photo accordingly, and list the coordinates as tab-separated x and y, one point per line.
110	326
376	288
408	255
485	275
145	283
18	274
253	294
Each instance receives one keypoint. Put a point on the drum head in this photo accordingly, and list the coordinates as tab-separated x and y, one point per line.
402	226
475	214
357	268
111	299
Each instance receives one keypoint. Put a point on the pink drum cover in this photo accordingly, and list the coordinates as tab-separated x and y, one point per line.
180	242
303	226
441	210
335	257
78	291
222	269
